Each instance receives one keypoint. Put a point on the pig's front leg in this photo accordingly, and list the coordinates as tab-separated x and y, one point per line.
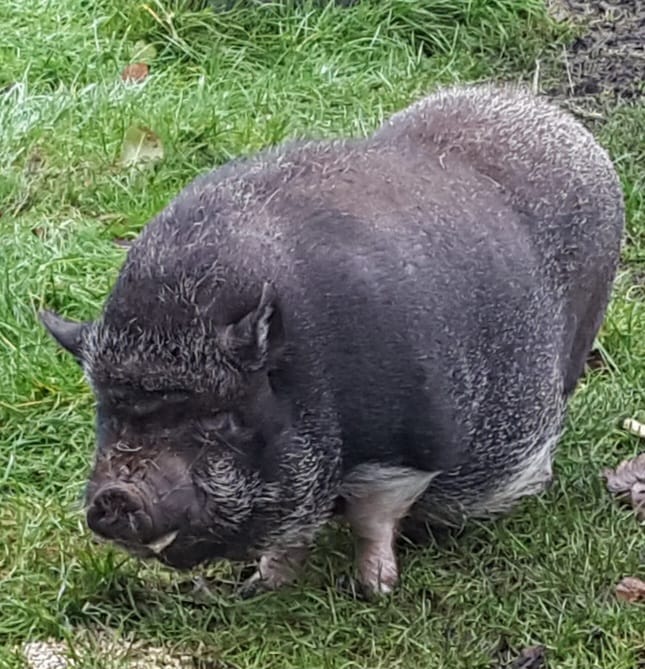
377	498
276	568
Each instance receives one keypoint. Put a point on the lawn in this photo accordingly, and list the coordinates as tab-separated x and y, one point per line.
222	84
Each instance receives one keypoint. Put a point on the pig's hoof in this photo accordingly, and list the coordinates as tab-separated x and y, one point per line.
275	570
253	586
377	570
259	583
376	589
354	588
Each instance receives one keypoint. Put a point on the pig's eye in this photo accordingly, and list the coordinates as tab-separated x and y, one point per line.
143	408
135	401
167	402
175	396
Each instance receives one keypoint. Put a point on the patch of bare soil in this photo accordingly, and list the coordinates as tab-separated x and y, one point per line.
605	64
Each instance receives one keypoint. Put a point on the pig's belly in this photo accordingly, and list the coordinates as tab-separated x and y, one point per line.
478	491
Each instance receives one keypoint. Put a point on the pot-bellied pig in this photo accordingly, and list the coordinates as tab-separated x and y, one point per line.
390	326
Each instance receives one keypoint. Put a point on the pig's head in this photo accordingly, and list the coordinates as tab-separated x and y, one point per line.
187	418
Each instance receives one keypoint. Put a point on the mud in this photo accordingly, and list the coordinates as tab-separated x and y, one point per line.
605	64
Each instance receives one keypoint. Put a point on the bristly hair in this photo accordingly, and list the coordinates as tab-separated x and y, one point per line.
158	359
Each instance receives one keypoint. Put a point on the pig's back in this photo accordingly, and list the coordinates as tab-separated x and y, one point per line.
434	308
549	167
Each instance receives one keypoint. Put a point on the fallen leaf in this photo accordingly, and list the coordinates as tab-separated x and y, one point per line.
135	72
631	589
533	657
143	53
621	479
140	145
627	482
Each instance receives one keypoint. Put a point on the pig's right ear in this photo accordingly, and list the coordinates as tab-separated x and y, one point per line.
69	334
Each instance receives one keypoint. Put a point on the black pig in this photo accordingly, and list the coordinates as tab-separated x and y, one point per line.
394	323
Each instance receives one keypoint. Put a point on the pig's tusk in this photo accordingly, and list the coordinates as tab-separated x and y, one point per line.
163	542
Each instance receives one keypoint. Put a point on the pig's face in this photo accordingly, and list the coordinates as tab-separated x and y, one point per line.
172	479
183	432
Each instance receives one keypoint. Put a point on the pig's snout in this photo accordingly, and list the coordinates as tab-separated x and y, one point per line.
117	512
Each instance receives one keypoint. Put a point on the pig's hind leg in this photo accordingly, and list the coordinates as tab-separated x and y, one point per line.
376	498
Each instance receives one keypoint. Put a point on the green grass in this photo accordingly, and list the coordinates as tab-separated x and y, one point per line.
222	85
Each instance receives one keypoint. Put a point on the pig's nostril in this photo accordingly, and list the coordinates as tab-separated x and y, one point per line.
118	513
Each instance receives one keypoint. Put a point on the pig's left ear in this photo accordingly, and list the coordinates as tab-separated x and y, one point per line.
257	339
69	334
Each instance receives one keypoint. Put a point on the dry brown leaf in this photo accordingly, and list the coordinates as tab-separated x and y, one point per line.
135	72
638	499
533	657
627	482
631	589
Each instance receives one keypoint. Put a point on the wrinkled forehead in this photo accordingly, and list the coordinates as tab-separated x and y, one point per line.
156	360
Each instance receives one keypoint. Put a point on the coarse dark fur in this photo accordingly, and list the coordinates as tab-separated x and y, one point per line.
351	319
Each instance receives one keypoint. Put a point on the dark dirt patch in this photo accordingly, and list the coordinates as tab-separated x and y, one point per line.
605	64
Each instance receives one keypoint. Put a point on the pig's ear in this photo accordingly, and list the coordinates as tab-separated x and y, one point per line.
69	334
257	339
